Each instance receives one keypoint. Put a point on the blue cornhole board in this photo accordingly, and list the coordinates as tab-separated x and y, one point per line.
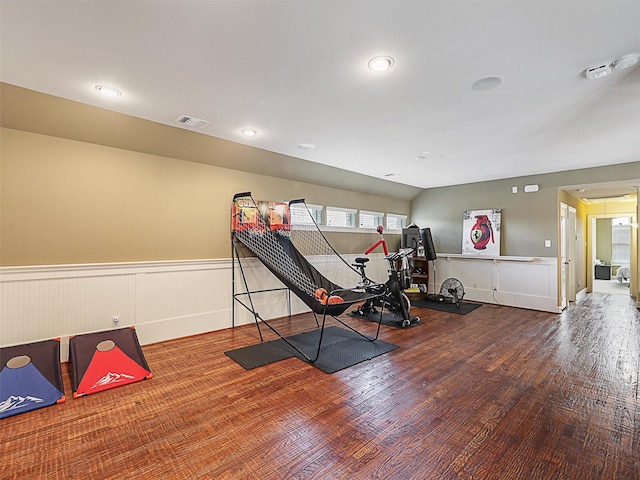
30	378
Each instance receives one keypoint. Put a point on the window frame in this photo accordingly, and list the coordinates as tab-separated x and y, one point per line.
316	211
403	221
380	215
341	210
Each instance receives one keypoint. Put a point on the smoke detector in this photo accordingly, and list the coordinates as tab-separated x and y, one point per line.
191	121
598	71
626	61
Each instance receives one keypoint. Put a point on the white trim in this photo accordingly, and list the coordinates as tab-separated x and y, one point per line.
32	272
459	256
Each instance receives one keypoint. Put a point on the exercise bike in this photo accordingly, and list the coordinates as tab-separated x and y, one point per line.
393	299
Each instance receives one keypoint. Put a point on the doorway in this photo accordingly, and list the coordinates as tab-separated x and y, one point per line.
611	254
567	255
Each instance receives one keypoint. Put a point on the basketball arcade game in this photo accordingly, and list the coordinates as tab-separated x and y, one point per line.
300	256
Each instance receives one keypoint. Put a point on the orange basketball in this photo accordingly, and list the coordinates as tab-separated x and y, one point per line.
321	295
333	299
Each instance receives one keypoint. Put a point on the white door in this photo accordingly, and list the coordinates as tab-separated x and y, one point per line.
572	248
564	220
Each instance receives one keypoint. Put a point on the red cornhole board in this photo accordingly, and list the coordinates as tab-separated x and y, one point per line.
105	360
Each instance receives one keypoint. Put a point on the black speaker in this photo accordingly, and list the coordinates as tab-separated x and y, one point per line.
427	243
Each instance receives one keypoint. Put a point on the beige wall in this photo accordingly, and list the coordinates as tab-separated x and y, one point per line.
36	112
603	240
65	202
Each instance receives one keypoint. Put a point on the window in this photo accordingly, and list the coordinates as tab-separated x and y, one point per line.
396	222
341	217
371	219
620	241
301	216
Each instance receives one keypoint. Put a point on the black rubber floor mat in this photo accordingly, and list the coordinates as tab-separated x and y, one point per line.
340	349
465	307
259	355
349	352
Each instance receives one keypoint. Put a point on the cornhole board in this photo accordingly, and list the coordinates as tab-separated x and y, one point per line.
31	377
104	360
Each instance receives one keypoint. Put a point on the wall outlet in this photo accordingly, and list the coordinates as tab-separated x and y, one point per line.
495	288
116	320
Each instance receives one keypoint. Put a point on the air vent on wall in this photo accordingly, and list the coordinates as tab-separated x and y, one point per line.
192	121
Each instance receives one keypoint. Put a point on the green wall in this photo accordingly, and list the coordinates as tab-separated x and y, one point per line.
528	219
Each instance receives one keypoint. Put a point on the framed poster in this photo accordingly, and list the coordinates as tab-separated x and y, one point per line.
481	232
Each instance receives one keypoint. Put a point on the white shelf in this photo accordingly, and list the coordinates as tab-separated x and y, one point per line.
486	257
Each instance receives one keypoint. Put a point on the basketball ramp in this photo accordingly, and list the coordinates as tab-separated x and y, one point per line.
104	360
30	378
299	255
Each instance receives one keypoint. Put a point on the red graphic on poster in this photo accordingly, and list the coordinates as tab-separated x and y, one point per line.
481	232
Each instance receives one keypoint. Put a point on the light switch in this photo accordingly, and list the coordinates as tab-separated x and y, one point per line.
547	243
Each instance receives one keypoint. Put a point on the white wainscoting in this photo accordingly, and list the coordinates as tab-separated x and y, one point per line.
524	282
164	300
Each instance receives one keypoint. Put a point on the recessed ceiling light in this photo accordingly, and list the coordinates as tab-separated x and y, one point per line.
380	64
488	83
306	146
249	132
108	91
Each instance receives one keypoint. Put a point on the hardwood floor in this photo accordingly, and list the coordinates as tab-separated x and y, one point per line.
500	393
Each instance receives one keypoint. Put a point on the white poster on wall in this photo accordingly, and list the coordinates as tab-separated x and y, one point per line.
481	232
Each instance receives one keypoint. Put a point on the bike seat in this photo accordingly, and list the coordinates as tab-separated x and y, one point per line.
361	260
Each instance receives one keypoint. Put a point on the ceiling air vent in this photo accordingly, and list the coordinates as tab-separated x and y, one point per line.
192	121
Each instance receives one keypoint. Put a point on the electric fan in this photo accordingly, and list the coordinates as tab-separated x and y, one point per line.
452	291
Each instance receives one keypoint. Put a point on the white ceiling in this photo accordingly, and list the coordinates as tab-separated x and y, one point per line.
297	72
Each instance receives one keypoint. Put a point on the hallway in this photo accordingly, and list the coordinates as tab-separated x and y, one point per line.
612	286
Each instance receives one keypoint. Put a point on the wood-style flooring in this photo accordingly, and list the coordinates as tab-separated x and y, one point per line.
500	393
